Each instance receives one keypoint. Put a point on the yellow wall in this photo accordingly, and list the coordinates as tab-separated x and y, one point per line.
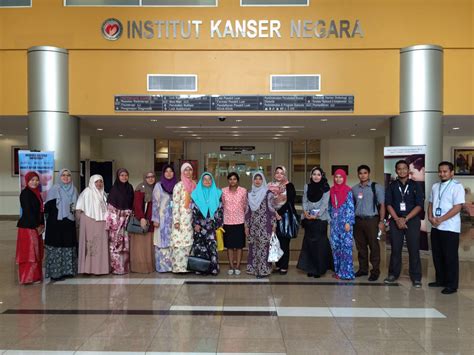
366	67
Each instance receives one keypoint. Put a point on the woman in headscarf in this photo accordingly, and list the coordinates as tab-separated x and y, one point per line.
315	256
182	234
284	194
162	218
259	224
29	243
91	207
142	258
119	209
342	215
61	239
234	202
207	217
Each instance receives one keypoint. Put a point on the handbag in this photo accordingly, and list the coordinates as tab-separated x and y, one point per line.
289	224
275	253
134	226
220	238
198	264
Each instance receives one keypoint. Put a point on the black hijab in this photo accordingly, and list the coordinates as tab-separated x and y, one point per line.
121	194
316	190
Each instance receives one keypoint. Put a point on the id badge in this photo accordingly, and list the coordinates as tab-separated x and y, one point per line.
403	206
360	195
438	212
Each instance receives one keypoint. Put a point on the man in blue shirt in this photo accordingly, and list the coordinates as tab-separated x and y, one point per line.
404	201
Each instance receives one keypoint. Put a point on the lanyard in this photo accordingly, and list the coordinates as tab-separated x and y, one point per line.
404	192
440	194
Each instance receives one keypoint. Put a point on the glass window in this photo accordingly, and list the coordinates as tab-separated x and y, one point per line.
15	3
170	3
101	2
305	155
173	3
168	151
274	2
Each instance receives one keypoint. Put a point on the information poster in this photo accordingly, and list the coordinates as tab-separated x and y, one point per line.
40	162
415	157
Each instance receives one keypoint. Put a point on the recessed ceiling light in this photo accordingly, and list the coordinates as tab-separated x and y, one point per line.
100	129
120	135
238	120
236	135
1	134
324	119
183	127
373	129
353	135
285	126
456	128
153	120
198	138
26	128
278	135
234	127
194	135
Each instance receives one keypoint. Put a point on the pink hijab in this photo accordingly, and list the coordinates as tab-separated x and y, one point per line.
189	184
278	188
339	192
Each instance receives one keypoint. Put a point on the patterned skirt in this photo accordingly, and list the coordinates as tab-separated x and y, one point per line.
61	262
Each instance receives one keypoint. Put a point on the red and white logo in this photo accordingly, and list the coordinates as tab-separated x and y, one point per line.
112	29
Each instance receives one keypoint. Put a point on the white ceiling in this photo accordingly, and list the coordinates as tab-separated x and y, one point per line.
238	128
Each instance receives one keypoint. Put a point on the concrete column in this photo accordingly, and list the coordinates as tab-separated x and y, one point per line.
50	127
421	105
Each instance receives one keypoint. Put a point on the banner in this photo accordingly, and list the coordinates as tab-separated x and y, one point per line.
415	157
40	162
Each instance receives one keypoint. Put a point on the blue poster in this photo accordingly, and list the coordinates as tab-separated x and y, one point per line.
40	162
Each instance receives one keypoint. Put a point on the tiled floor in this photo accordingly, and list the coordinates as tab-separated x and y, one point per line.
292	314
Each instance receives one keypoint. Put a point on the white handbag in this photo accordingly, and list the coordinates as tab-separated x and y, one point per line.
275	252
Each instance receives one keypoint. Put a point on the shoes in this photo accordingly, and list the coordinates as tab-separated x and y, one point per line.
336	276
230	272
310	274
448	291
360	273
373	277
57	279
283	272
316	276
237	272
417	284
276	270
390	279
435	284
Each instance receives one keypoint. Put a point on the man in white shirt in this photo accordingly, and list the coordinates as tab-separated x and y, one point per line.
446	200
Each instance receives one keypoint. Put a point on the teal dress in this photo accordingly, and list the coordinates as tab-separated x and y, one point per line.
341	241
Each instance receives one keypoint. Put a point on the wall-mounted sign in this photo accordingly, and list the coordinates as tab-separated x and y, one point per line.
149	29
231	103
237	148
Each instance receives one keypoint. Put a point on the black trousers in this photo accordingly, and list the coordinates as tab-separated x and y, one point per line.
412	235
285	246
444	247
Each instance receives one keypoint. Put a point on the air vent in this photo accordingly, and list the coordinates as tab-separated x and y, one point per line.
305	82
177	82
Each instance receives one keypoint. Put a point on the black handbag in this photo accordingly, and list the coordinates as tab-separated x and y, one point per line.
198	264
289	225
134	226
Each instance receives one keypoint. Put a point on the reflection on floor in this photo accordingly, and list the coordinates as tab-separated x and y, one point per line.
289	314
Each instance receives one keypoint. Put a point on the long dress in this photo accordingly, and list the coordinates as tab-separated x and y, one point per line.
341	241
141	245
162	214
260	224
61	243
205	245
93	246
119	247
182	238
29	245
315	256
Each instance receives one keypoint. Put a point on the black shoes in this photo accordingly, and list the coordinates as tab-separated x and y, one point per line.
310	274
373	277
417	284
435	284
360	273
448	291
390	279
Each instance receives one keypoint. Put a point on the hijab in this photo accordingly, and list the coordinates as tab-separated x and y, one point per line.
121	193
92	201
316	190
65	196
278	188
145	187
30	175
257	194
207	198
168	184
189	184
339	192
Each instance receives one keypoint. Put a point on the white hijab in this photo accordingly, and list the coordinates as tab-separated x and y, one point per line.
92	201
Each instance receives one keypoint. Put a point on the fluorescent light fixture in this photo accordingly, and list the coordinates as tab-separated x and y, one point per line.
324	119
100	129
456	128
373	129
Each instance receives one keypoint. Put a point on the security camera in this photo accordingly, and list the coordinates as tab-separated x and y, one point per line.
221	118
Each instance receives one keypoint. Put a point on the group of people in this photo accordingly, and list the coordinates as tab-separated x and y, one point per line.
179	219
